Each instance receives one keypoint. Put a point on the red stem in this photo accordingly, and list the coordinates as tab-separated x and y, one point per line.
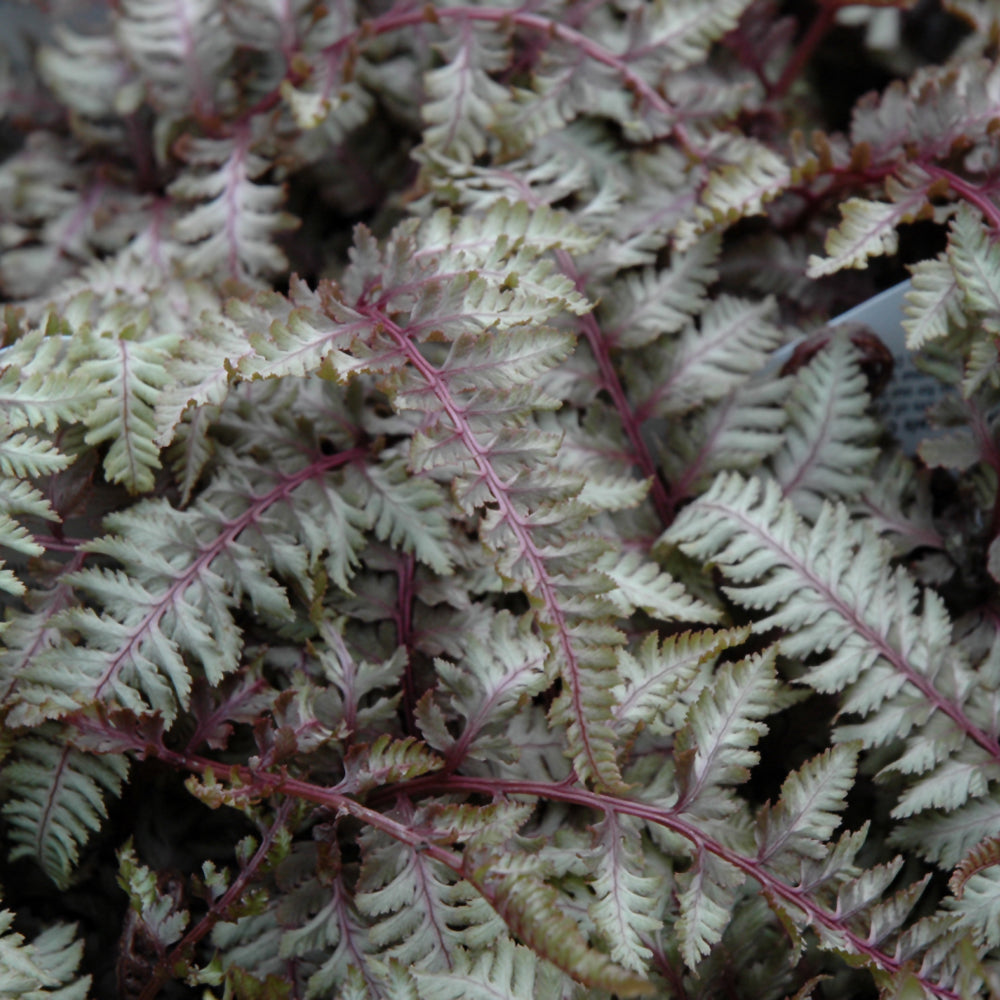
218	909
815	34
404	636
543	583
611	383
972	194
604	803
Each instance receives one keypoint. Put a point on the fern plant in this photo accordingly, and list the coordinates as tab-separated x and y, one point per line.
421	577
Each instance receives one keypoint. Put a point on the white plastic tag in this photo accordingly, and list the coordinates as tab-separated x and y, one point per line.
903	403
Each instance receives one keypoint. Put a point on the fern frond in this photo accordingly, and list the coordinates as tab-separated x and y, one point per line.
946	838
643	305
477	363
864	901
531	909
26	456
130	373
252	942
497	673
17	498
89	74
628	900
356	682
15	536
385	762
713	749
675	34
420	911
947	779
868	228
201	372
808	810
821	582
709	890
307	333
316	923
179	50
741	188
53	207
733	339
739	432
478	826
191	449
898	503
586	654
976	907
44	968
465	277
464	102
827	451
640	583
8	579
486	443
946	955
173	601
26	633
230	234
975	260
658	679
162	919
404	510
933	303
42	399
56	800
888	651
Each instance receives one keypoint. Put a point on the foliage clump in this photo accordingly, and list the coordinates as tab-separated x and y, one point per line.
422	576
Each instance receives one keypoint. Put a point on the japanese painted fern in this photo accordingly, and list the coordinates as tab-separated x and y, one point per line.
421	577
